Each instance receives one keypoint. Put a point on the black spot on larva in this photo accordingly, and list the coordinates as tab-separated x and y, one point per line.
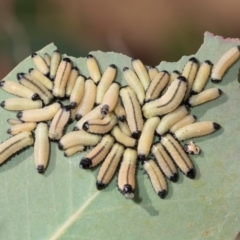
162	194
113	66
182	78
192	92
9	131
105	109
3	104
85	126
67	60
136	134
127	189
215	80
76	129
30	70
193	59
208	62
164	71
35	96
60	146
174	177
20	76
125	68
85	163
216	126
19	114
2	83
40	168
122	118
73	105
100	185
191	174
67	107
75	68
142	156
34	55
220	91
89	56
78	117
176	71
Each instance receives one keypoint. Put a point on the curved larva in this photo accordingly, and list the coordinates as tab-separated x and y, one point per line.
73	150
13	121
73	113
126	175
77	92
109	166
147	136
152	72
125	128
33	84
120	111
62	76
15	144
19	104
171	99
141	71
87	102
55	61
202	77
71	81
226	60
18	90
40	63
196	129
189	72
133	81
204	96
41	147
93	114
157	84
98	153
107	78
59	123
123	138
165	162
41	78
110	99
39	115
78	138
188	119
156	177
93	68
133	111
101	126
178	155
47	59
169	119
22	127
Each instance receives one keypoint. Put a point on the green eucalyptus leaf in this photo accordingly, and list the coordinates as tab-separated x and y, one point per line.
63	203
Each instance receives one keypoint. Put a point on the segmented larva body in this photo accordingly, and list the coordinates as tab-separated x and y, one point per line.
98	153
109	166
133	111
40	64
62	76
126	175
120	111
47	59
178	155
19	90
225	61
41	147
15	144
93	68
188	119
101	126
110	99
71	81
196	129
158	83
156	177
107	78
22	127
202	77
165	162
135	84
204	96
169	101
41	78
147	137
19	104
125	128
141	71
73	150
55	61
59	123
169	119
13	121
39	115
78	138
152	72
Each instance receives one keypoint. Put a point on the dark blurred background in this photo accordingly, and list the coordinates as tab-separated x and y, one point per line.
152	30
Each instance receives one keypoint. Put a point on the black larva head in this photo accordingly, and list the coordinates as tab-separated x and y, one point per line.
127	189
162	194
76	129
85	126
105	109
35	97
56	51
142	157
19	114
122	118
67	108
191	174
193	59
216	126
125	68
220	91
85	163
89	56
136	134
2	83
113	66
34	55
3	104
174	177
176	71
182	78
100	185
151	67
9	131
209	62
40	168
30	70
73	105
75	69
20	76
238	48
166	72
215	80
60	146
67	60
134	59
78	117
